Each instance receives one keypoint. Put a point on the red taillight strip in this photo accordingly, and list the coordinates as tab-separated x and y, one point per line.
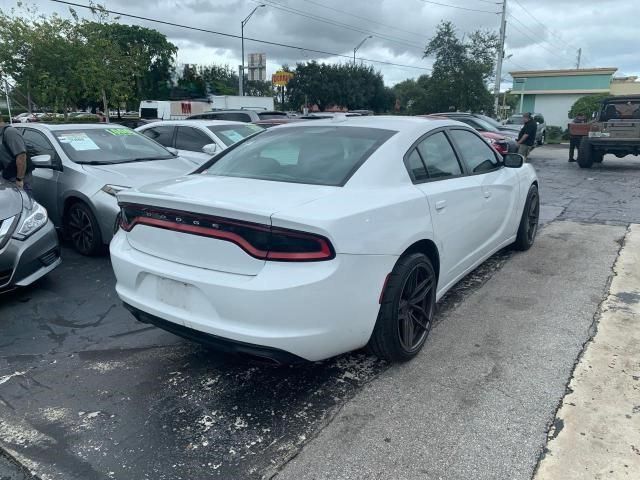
202	231
325	253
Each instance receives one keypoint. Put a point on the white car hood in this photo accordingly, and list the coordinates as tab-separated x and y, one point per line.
136	174
240	198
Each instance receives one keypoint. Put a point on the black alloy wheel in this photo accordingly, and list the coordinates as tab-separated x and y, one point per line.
414	309
407	309
82	229
529	221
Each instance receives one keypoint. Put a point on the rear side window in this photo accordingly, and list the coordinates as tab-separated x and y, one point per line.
234	117
191	139
162	135
325	155
478	156
416	167
439	157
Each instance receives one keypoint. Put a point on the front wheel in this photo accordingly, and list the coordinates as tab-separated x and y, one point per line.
82	228
407	310
585	154
529	221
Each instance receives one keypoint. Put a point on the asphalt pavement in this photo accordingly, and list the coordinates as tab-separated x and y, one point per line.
87	393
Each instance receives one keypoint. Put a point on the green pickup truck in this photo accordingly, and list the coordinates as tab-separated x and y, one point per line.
615	130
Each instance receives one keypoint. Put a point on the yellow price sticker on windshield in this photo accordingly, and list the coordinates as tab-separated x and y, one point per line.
120	131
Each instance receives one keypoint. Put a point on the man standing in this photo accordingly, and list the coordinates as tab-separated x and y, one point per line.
15	163
527	135
574	140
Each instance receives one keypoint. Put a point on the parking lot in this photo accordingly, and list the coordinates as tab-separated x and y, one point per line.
87	392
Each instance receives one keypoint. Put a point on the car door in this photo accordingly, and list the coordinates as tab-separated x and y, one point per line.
453	202
189	142
498	189
45	180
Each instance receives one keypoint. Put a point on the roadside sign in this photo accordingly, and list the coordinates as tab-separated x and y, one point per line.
281	78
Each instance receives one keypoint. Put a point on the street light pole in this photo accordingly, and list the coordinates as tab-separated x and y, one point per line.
358	47
503	28
242	24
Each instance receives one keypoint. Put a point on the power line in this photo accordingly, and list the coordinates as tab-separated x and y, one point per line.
543	25
536	40
459	8
230	35
294	11
367	19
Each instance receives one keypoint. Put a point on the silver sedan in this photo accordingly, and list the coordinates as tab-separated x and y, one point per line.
80	168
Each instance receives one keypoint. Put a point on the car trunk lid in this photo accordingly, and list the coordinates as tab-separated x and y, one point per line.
216	223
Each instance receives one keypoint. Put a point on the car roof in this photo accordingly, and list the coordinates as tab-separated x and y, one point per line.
390	122
195	121
67	126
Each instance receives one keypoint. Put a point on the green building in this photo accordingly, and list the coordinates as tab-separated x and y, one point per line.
553	92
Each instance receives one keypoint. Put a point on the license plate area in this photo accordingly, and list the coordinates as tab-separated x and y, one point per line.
173	293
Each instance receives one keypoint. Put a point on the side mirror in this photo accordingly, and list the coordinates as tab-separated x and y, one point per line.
513	160
42	161
172	150
210	149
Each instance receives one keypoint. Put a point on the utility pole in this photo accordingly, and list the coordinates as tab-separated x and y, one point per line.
242	24
503	28
579	58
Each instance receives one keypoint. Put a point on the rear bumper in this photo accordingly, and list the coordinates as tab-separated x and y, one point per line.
22	262
609	144
222	344
310	310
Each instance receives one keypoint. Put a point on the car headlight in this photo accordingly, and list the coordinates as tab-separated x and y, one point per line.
113	189
33	219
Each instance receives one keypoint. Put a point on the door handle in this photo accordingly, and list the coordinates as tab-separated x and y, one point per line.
487	193
441	204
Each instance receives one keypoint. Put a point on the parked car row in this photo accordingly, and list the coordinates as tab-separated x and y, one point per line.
295	243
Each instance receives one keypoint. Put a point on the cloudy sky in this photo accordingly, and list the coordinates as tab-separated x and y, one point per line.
540	33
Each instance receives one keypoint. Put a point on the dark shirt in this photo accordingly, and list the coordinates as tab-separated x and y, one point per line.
530	128
12	145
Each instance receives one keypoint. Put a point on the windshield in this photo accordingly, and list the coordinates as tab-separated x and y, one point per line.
320	155
230	134
109	145
477	123
514	120
623	110
489	120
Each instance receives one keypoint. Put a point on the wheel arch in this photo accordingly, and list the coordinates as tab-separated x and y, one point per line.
430	249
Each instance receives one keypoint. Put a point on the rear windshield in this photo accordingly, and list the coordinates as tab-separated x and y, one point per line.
318	155
623	110
230	134
514	120
270	115
109	145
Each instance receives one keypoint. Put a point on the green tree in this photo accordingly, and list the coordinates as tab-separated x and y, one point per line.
461	69
587	105
348	86
151	58
412	96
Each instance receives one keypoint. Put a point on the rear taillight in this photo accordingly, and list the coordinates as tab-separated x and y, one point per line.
259	241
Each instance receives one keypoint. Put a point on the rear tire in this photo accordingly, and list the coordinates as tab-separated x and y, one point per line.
82	229
529	221
407	310
585	154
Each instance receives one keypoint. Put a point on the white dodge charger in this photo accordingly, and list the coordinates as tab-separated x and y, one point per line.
317	238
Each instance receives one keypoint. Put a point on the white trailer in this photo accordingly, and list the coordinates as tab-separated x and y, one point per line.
172	109
235	102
